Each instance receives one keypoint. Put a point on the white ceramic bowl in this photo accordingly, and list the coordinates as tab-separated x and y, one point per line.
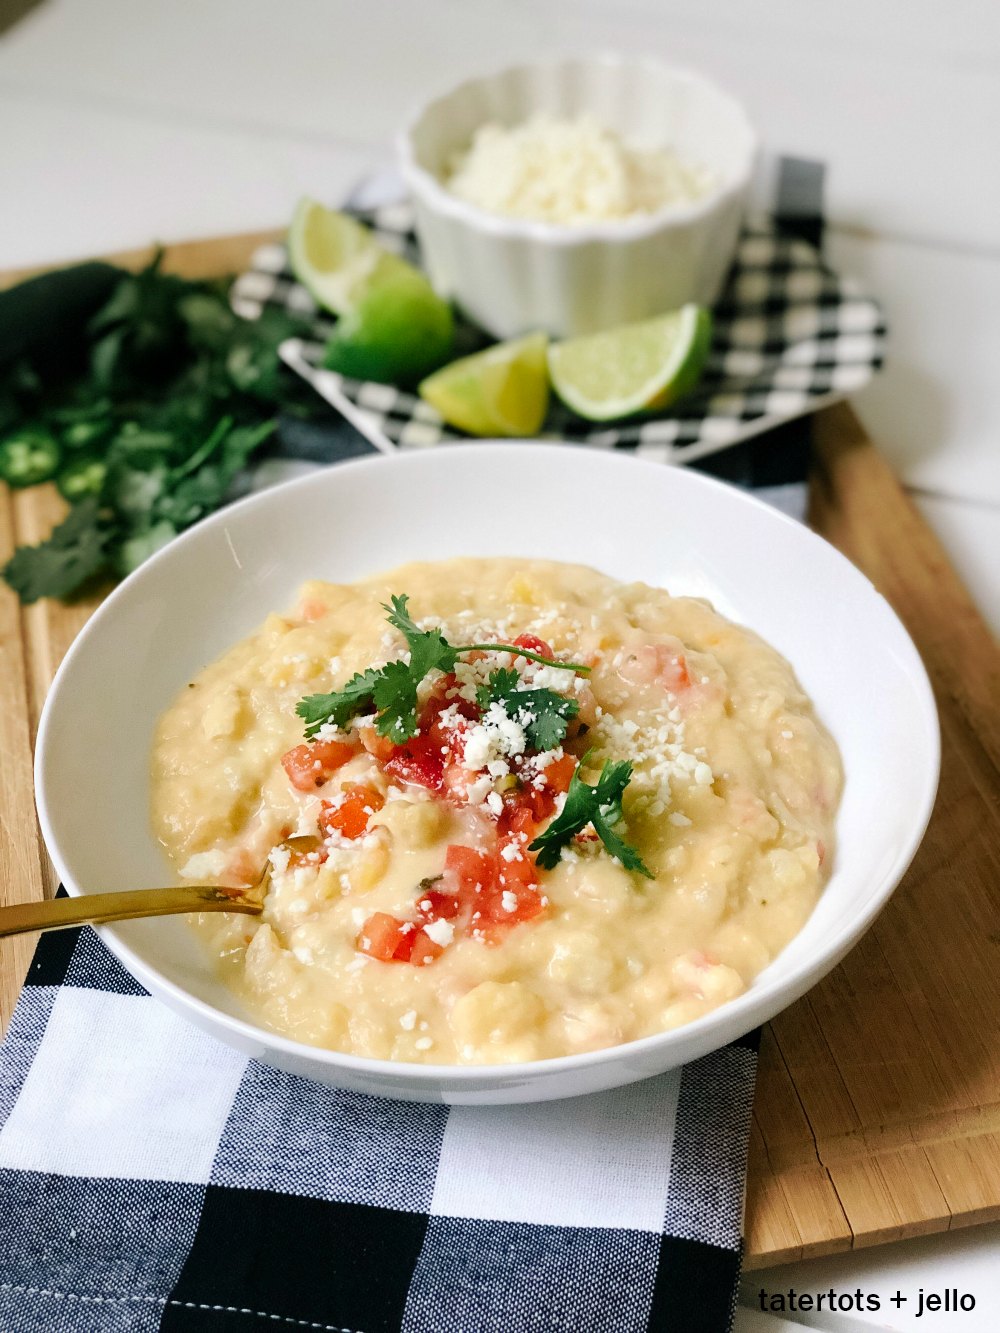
631	518
511	275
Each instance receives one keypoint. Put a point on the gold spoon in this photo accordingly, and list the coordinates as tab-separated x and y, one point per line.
98	908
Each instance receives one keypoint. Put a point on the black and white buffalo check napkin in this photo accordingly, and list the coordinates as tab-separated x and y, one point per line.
152	1179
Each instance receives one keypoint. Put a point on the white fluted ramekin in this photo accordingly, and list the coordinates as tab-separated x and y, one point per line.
512	275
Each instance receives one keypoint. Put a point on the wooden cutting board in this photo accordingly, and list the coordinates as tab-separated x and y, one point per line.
878	1102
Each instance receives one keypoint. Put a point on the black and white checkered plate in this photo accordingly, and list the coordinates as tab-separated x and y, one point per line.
790	337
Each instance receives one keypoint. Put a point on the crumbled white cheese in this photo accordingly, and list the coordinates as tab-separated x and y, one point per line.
570	171
481	790
441	932
654	742
423	1043
279	858
205	865
508	901
408	1021
678	819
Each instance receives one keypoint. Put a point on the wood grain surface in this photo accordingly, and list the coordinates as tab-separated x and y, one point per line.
878	1103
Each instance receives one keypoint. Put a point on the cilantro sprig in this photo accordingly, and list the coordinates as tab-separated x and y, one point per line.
391	690
544	714
599	805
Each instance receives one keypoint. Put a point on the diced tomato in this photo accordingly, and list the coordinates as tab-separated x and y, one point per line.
350	817
309	766
517	818
541	800
470	871
419	762
390	940
529	903
424	950
449	739
380	747
533	644
559	773
386	938
517	876
519	872
437	906
516	897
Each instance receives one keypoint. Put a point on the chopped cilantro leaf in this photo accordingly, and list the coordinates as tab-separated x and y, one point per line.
396	701
599	805
544	714
339	706
429	649
75	552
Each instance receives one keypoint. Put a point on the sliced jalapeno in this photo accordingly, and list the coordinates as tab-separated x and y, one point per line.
28	457
82	477
84	434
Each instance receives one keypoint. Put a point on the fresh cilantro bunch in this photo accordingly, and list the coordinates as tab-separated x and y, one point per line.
153	403
391	690
599	805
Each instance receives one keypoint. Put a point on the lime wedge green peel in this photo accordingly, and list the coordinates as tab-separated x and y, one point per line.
634	368
502	391
398	331
393	326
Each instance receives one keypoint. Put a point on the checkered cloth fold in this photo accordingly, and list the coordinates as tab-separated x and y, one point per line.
153	1179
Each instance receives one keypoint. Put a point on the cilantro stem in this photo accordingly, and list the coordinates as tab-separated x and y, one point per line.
523	652
218	433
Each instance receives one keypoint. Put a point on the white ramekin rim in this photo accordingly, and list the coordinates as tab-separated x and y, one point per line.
430	191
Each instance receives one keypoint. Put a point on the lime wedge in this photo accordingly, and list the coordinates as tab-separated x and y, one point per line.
502	391
331	254
634	368
397	330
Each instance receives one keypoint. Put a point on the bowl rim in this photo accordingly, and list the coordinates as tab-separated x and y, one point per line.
429	190
753	1006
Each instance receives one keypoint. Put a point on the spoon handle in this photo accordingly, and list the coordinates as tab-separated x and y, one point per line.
95	908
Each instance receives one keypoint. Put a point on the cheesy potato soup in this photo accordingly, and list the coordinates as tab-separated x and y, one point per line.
512	810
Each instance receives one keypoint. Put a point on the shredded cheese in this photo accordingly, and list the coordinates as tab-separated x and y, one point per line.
570	171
